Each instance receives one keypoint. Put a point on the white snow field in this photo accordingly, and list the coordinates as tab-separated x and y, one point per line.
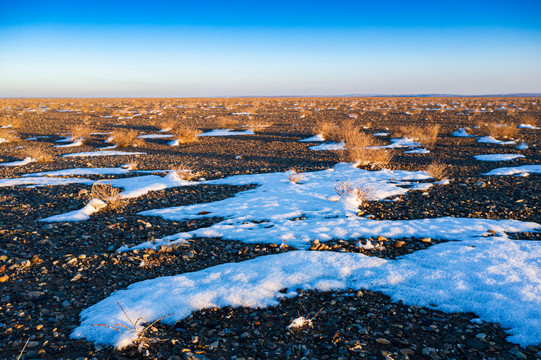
498	157
461	132
92	207
398	143
524	169
497	278
329	146
270	213
491	140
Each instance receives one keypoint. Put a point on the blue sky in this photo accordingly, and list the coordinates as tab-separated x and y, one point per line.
241	48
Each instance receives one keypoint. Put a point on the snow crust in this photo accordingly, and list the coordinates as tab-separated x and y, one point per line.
498	157
155	136
524	169
398	143
315	138
417	151
226	132
102	153
27	160
92	207
528	126
495	277
461	132
491	140
81	171
329	146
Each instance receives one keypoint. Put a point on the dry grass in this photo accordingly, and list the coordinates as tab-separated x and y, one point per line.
427	135
168	125
10	120
186	134
437	170
140	341
361	192
497	130
328	130
80	132
125	138
9	135
529	119
255	124
42	155
226	122
186	173
108	194
294	176
357	143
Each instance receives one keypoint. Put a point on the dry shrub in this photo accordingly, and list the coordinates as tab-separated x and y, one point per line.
186	173
327	129
294	176
226	122
427	135
529	119
361	192
9	135
497	130
80	132
108	194
125	138
437	170
10	120
255	124
357	144
186	134
168	125
42	155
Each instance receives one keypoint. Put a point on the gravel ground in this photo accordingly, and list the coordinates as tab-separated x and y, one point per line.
49	273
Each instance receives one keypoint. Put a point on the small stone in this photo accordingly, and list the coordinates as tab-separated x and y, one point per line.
481	336
480	184
428	351
426	240
406	351
82	192
383	341
399	244
4	278
76	277
381	238
517	354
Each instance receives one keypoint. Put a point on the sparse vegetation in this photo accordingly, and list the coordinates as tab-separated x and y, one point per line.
437	170
41	154
294	176
361	192
502	131
108	194
141	341
357	149
125	138
186	134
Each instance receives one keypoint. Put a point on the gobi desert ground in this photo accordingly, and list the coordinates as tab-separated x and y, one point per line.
270	228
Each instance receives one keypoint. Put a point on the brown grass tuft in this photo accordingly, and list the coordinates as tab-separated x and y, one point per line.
42	155
426	135
186	134
437	170
361	192
294	176
357	143
125	138
497	130
108	194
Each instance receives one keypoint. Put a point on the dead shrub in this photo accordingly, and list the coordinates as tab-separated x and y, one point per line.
42	155
108	194
361	192
437	170
125	138
426	135
357	149
168	125
8	135
226	122
294	176
80	132
497	130
186	134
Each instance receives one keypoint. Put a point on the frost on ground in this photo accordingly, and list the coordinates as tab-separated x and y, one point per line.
524	169
494	277
280	211
498	157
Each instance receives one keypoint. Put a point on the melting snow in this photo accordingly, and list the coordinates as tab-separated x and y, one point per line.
27	160
226	132
491	140
329	146
102	153
525	169
315	138
92	207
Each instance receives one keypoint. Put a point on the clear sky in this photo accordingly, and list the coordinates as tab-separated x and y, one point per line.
247	48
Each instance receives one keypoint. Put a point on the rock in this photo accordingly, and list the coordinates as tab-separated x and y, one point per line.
188	355
426	240
406	351
399	244
481	336
383	341
517	354
76	277
381	238
4	278
427	351
480	184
